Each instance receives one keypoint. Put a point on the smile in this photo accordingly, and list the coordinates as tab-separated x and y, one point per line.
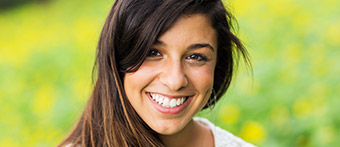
168	102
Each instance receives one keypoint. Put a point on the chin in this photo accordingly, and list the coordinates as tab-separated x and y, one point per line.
169	127
168	130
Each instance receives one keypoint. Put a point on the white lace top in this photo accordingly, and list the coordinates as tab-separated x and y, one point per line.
223	138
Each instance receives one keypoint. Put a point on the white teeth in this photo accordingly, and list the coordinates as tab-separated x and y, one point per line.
172	103
178	102
166	102
160	101
157	98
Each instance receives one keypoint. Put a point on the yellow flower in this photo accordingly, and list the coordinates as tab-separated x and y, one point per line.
10	142
326	134
43	100
229	113
302	108
253	132
279	115
333	33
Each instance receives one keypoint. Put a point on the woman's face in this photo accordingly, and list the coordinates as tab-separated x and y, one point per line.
176	79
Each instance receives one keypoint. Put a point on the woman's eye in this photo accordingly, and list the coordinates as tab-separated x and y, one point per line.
197	57
154	53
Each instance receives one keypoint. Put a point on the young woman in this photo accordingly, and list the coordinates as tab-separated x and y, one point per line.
159	62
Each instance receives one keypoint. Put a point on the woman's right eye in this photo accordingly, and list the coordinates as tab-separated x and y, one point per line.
154	53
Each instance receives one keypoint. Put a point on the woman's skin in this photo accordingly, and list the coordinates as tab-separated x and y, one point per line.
180	66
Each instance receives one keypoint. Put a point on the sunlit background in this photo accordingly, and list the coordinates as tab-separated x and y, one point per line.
47	50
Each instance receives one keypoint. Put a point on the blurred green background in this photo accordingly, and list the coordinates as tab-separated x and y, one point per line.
47	50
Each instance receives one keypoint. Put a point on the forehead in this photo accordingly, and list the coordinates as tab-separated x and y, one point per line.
189	29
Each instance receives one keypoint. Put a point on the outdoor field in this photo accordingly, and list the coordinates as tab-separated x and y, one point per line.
290	97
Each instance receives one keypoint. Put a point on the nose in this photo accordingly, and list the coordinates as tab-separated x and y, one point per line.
173	76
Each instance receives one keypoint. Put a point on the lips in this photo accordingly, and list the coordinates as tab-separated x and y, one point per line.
169	104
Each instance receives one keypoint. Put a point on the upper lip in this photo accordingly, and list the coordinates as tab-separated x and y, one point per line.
170	96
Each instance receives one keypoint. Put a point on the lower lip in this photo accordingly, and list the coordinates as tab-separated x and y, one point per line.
166	110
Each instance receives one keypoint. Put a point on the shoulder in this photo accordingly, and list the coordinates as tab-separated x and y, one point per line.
222	137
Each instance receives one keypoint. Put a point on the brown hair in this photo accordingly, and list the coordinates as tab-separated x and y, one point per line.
131	27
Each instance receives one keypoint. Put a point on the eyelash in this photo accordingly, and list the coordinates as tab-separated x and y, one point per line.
154	53
198	57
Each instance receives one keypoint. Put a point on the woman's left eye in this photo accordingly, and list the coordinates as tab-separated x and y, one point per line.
197	57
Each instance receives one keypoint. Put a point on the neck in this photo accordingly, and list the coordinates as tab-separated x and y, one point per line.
193	135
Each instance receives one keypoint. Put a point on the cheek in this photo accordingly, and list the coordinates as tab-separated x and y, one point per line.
202	78
135	82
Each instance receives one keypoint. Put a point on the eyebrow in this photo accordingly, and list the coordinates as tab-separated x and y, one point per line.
191	47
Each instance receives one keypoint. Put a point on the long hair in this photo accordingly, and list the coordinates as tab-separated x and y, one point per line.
131	27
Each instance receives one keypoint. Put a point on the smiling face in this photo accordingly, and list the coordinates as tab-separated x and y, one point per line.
175	80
